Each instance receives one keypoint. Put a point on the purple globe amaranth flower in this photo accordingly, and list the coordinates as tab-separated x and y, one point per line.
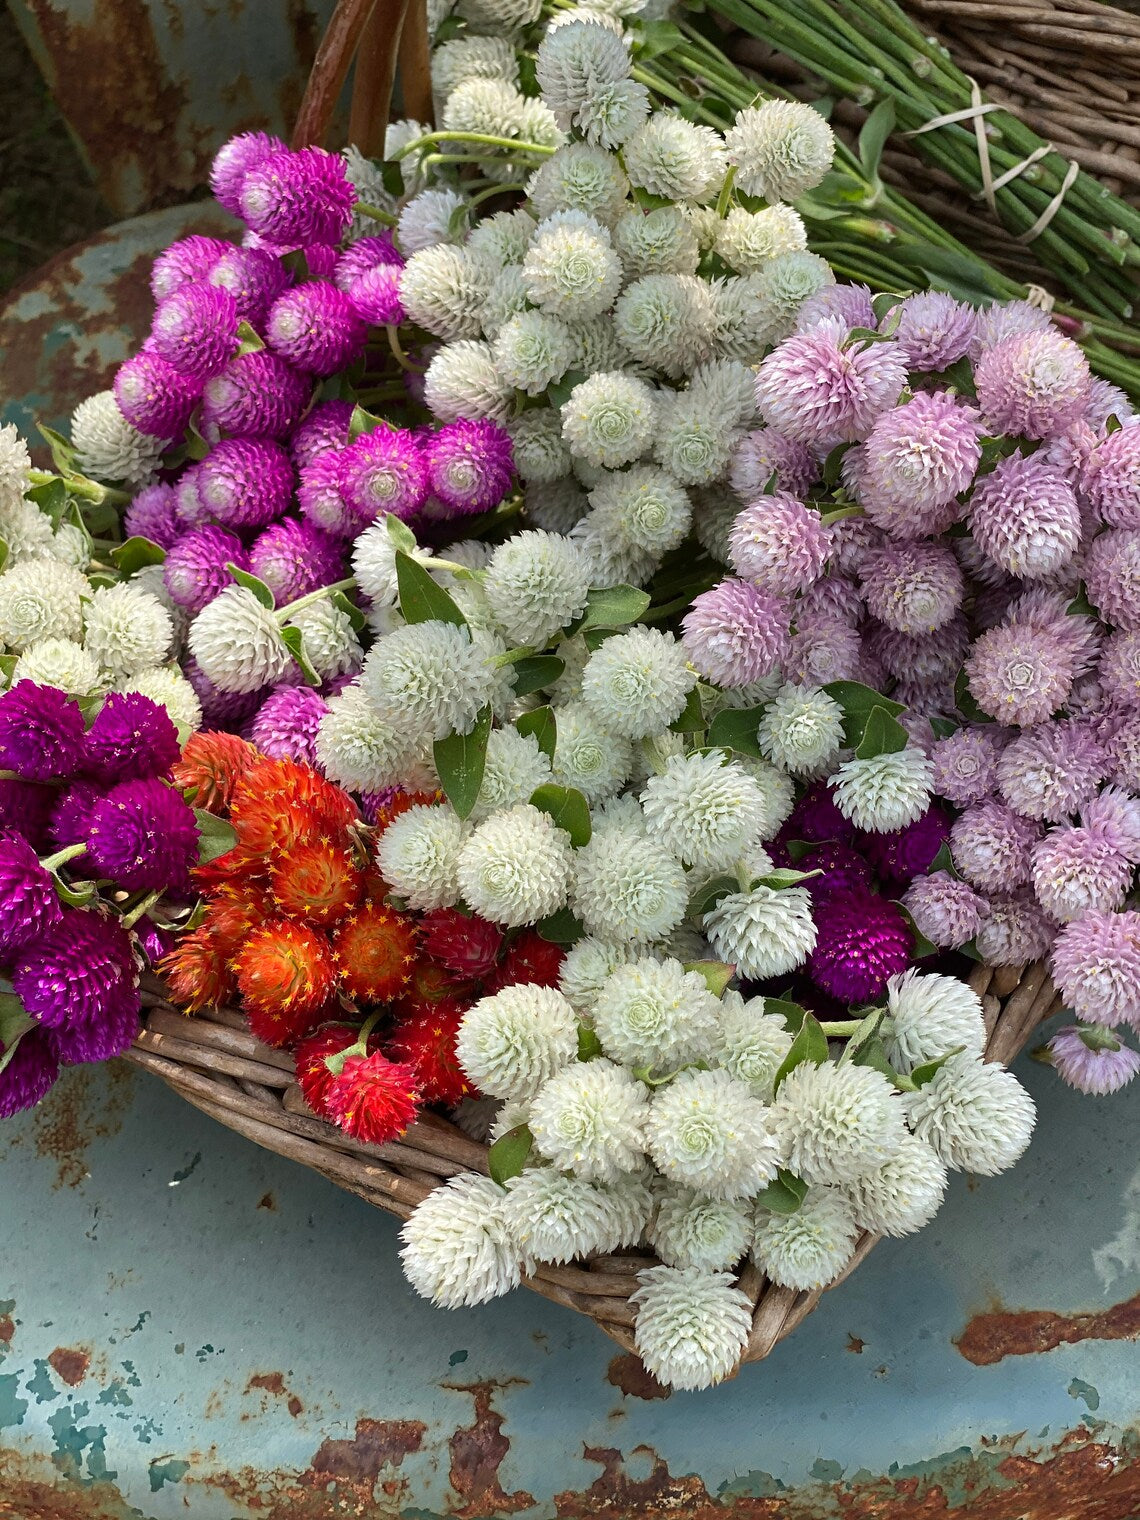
254	277
862	941
832	596
1110	478
825	647
79	982
948	912
29	1075
1096	966
1050	771
325	427
1022	671
189	507
1093	1060
843	871
1033	384
153	514
131	738
382	471
992	846
29	903
779	544
188	259
915	461
226	710
1024	517
286	724
304	197
143	836
816	389
316	327
852	540
195	330
922	658
900	856
194	571
154	397
71	821
377	251
1119	668
934	330
294	558
41	733
245	482
1005	319
27	808
816	818
234	160
1114	816
1014	932
1075	870
152	941
1121	748
469	464
1112	576
256	395
735	634
764	454
915	588
375	296
851	304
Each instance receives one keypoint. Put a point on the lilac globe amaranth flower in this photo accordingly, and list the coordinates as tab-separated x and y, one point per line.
934	330
1033	384
1110	479
153	514
469	464
79	982
850	304
1014	932
1005	319
194	571
991	846
1121	748
285	726
27	808
188	259
131	739
383	471
1119	669
254	277
1096	966
29	904
923	658
375	296
293	558
1114	816
154	397
1050	771
377	251
257	395
862	942
1093	1060
779	544
304	197
1024	517
143	836
245	482
900	856
226	710
41	733
1020	674
1075	870
815	389
825	647
764	453
325	427
195	330
947	911
735	634
915	461
832	596
29	1075
1112	576
1106	400
316	327
235	159
913	587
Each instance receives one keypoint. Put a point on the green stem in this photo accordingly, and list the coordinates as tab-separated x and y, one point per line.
129	920
335	1062
283	614
492	190
376	214
724	199
398	353
61	857
837	1028
483	139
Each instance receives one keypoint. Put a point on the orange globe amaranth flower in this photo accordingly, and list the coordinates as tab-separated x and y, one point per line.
397	802
317	882
313	1075
375	952
427	1042
196	973
431	984
373	1099
289	783
232	914
285	974
270	826
213	764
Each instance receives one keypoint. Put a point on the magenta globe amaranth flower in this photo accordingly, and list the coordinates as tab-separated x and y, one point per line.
71	821
29	904
245	482
304	197
41	733
1096	966
155	397
934	330
816	818
1033	384
900	856
195	330
376	251
382	471
131	738
226	710
286	724
1112	576
1093	1060
818	389
188	259
293	558
842	870
735	634
80	983
143	836
325	427
27	808
1024	517
947	911
257	394
30	1073
779	544
915	461
234	160
469	464
315	326
321	498
254	277
862	942
375	296
153	514
194	571
991	846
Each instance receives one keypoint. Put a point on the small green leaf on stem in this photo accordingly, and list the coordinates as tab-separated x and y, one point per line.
507	1157
215	836
568	808
810	1044
136	553
460	760
784	1195
715	974
421	600
540	722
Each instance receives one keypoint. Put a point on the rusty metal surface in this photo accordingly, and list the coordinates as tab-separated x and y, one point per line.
150	88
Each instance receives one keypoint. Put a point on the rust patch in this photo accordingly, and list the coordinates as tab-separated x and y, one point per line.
999	1333
74	1114
7	1329
614	1492
272	1382
267	1201
628	1373
377	1444
854	1344
294	1405
477	1452
70	1364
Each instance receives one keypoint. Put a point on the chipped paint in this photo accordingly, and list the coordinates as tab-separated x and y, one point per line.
477	1452
628	1373
70	1364
999	1333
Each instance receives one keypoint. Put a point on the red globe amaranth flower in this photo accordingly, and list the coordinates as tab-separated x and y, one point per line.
843	871
213	764
529	958
373	1099
463	942
426	1041
285	975
195	971
863	941
313	1075
429	986
317	882
375	950
232	915
900	857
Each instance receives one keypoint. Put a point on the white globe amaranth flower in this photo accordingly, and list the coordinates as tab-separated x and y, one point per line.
399	135
433	675
902	1195
536	583
836	1123
589	1119
41	599
694	440
801	731
747	240
443	288
975	1115
508	1116
15	465
71	545
532	350
779	792
368	182
763	932
463	58
108	448
432	217
457	1248
807	1249
611	560
743	328
780	150
514	769
636	683
589	756
642	508
596	348
629	887
750	1044
705	808
237	643
149	578
167	687
666	322
588	966
374	564
785	283
574	61
613	113
579	177
885	792
690	1230
492	108
512	1043
610	419
358	746
543	459
661	241
654	1013
490	647
126	630
462	381
729	387
28	534
328	638
692	1325
539	126
505	299
516	867
570	269
61	663
706	1131
418	855
929	1015
499	16
505	237
556	1218
673	158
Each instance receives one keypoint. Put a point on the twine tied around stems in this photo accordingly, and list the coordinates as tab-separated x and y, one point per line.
975	112
1037	295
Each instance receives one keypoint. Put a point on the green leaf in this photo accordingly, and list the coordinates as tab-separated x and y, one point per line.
784	1195
922	946
594	638
839	514
298	266
14	1024
561	928
351	611
791	1013
873	136
616	607
970	951
589	1046
943	861
533	672
1112	424
858	703
542	724
392	177
809	1045
692	719
51	497
883	735
560	392
657	37
248	340
705	898
74	894
832	465
1080	606
943	728
421	600
251	583
716	974
873	1053
885	301
782	878
798	848
400	534
361	422
136	553
215	836
925	1073
508	1155
964	700
460	761
8	663
568	808
736	728
294	641
867	1028
62	452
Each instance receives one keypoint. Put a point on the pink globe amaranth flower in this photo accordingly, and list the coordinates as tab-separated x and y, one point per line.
1020	674
189	507
130	739
254	277
195	330
257	394
1110	478
850	304
189	259
852	540
27	808
948	912
375	252
1015	931
922	704
843	869
294	558
1112	576
234	160
1096	966
1069	452
470	465
1075	870
1093	1060
1033	384
320	495
375	296
1119	668
1005	319
915	461
29	904
735	633
316	327
862	942
304	197
245	482
1024	516
779	543
41	733
764	454
1078	635
824	648
79	982
1049	772
153	514
226	710
143	836
992	846
325	427
925	658
30	1074
816	818
915	588
285	726
154	397
817	390
1105	401
901	856
833	596
934	330
195	568
1114	816
383	471
1122	751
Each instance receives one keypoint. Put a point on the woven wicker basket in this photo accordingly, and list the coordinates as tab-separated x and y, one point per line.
214	1063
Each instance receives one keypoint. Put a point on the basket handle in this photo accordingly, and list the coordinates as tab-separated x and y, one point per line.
382	35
